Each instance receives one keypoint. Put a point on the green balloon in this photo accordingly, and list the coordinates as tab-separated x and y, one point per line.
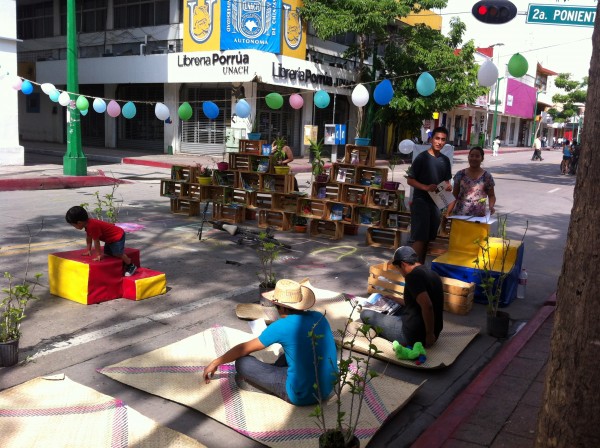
274	100
185	111
82	103
517	65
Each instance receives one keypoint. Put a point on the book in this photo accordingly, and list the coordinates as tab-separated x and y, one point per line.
337	212
266	150
268	183
384	198
263	166
392	220
377	302
341	176
441	196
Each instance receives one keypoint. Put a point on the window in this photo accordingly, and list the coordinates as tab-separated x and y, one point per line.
138	13
34	21
90	16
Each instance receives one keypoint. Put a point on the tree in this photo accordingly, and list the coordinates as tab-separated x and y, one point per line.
574	93
570	410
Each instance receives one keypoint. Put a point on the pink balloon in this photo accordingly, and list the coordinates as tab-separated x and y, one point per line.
296	101
17	83
113	109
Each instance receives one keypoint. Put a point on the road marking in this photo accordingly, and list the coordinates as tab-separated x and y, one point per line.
554	190
104	332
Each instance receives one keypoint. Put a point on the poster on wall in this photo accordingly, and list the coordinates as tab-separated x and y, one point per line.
310	133
251	24
329	134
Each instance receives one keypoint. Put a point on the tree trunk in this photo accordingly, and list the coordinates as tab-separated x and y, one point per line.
571	405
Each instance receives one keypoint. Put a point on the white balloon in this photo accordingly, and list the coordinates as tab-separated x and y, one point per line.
406	146
64	99
161	111
360	96
487	74
48	88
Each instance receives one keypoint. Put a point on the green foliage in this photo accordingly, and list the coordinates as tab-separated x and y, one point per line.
107	207
574	93
392	162
278	152
203	170
12	308
353	375
267	252
318	164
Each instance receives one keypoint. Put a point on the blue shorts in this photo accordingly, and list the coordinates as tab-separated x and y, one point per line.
115	249
425	218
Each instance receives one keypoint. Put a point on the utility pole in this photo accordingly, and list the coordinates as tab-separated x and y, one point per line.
496	108
74	161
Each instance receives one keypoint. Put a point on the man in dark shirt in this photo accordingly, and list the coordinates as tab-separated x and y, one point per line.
421	318
429	169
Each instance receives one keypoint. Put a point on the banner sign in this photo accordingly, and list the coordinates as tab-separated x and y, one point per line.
251	24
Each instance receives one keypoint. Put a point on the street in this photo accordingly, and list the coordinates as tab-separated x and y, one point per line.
203	288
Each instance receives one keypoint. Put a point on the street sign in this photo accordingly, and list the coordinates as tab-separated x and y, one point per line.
561	15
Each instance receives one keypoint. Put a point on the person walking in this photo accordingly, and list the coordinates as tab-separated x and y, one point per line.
496	146
566	160
537	150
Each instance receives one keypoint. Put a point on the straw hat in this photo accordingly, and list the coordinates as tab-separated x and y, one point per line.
291	294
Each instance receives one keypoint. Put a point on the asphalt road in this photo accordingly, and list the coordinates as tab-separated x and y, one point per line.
63	336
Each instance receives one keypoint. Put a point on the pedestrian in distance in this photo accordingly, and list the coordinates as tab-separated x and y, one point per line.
293	376
96	231
565	165
537	150
575	150
496	146
420	319
429	169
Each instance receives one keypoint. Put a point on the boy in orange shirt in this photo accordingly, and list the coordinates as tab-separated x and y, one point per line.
96	231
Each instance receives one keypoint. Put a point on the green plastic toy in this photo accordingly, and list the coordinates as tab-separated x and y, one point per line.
406	353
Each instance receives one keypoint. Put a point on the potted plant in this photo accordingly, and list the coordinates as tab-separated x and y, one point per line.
392	162
300	223
12	312
254	133
353	375
204	174
318	164
279	155
267	252
223	165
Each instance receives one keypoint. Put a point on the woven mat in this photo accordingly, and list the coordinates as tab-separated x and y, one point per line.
57	412
175	372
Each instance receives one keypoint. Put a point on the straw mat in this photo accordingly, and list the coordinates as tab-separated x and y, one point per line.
175	372
57	412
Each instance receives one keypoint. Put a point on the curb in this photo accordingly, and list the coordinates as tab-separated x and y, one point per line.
464	404
55	183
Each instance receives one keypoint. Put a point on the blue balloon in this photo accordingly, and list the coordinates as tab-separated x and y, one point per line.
129	110
242	109
210	109
99	105
54	95
425	84
26	87
84	112
322	99
384	92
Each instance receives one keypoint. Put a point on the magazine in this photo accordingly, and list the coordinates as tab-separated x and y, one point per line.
392	220
337	212
341	177
378	303
442	197
263	166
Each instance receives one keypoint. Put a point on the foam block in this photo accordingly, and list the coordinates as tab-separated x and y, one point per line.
145	283
76	277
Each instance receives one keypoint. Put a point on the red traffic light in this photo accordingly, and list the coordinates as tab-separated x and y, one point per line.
494	11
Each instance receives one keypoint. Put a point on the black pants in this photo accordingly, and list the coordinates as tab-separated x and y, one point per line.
537	154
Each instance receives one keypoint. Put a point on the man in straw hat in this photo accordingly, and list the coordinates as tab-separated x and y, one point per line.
292	376
421	317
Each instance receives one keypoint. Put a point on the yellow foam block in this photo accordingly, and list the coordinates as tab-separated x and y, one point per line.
68	278
145	283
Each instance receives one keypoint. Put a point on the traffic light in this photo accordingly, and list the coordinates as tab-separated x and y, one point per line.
494	11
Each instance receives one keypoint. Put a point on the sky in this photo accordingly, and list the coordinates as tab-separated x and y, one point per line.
563	49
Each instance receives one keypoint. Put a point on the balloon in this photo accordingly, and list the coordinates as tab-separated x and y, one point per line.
360	96
161	111
129	110
274	100
296	101
26	87
82	103
99	105
322	99
64	99
17	83
487	74
517	65
425	84
54	95
84	112
242	109
384	92
406	146
185	111
113	109
48	88
210	109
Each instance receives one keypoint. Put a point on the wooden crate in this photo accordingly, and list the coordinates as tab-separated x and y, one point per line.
251	146
333	230
330	191
366	216
183	172
194	192
354	194
388	199
275	219
276	183
387	238
262	164
214	193
263	200
373	177
395	220
285	202
243	197
311	208
338	211
344	173
366	154
228	213
185	207
171	188
225	178
240	162
249	181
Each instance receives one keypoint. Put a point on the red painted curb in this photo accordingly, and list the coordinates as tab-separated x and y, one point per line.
54	183
465	403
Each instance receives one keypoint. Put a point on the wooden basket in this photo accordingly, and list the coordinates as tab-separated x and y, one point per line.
344	173
311	208
330	191
183	172
185	207
354	194
366	154
251	146
276	183
171	188
395	220
333	230
228	213
388	238
285	202
388	199
275	219
373	177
